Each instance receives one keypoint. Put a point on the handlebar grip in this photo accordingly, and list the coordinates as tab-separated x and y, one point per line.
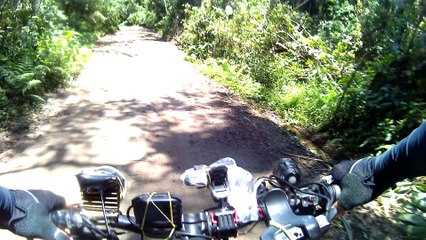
79	226
66	219
195	224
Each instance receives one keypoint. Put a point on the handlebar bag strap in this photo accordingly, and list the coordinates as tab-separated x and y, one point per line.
168	218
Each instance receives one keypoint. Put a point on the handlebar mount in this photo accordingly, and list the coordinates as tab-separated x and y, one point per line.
291	210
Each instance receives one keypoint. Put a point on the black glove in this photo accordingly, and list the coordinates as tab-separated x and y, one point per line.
357	183
31	214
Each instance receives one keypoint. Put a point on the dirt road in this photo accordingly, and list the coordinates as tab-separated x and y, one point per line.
139	107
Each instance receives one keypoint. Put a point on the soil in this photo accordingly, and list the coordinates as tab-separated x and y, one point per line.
139	107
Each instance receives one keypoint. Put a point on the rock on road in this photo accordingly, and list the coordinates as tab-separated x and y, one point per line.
138	106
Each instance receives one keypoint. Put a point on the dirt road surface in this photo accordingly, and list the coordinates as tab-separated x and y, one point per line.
138	106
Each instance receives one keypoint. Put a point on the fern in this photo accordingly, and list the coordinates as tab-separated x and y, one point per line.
20	78
41	71
37	98
33	84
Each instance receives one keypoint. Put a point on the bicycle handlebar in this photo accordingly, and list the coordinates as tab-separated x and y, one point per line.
274	204
290	212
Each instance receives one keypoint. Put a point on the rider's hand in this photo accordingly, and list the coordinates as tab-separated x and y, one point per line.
340	210
356	180
31	214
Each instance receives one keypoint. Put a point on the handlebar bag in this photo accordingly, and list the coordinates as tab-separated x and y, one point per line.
157	214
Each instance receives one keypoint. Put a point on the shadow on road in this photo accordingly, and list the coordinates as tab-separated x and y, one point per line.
151	123
187	133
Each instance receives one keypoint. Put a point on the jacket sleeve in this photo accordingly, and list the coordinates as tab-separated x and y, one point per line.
6	207
407	159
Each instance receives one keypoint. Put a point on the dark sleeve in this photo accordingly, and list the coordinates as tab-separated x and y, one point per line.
6	206
406	159
363	180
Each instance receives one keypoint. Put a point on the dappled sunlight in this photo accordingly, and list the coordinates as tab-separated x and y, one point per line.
116	142
139	107
346	76
44	178
199	119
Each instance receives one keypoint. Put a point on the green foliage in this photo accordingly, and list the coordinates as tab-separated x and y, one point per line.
407	205
164	16
39	46
230	76
93	16
4	102
57	51
392	102
351	69
272	43
20	79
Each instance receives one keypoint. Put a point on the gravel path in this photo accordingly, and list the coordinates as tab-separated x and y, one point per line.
139	107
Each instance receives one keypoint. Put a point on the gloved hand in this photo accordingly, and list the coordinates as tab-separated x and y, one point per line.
357	183
31	214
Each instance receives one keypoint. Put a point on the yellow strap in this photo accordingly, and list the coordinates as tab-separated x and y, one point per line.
171	216
282	228
146	210
162	213
122	188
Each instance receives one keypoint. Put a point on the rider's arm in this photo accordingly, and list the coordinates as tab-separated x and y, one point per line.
6	207
364	180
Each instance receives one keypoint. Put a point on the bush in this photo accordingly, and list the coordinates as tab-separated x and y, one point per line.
327	66
39	46
93	16
267	40
406	205
164	16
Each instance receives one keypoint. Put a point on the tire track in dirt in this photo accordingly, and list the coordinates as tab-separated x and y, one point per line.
139	107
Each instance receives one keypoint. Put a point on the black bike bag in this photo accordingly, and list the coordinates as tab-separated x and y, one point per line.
157	214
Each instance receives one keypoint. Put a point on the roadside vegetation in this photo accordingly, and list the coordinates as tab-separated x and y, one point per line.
350	73
351	70
42	46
